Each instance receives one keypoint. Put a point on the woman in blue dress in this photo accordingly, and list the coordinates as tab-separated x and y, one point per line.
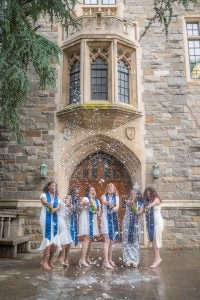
131	229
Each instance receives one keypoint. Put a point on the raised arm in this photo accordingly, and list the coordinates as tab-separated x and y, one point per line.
85	201
155	202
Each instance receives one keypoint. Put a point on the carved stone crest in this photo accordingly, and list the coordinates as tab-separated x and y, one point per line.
130	133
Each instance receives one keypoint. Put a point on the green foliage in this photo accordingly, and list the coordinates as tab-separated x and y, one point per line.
21	45
163	13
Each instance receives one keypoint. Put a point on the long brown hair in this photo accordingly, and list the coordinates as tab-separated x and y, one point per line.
115	189
46	187
153	194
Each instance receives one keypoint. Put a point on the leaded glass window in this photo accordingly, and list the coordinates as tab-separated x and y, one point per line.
108	2
99	79
193	32
75	83
123	82
106	172
94	173
85	173
90	2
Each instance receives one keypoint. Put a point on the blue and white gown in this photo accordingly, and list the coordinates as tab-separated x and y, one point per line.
49	223
74	219
131	236
109	219
88	223
64	224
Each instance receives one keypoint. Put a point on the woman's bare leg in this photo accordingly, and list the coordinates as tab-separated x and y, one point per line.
45	259
67	250
106	252
53	248
110	251
85	245
157	258
88	253
61	254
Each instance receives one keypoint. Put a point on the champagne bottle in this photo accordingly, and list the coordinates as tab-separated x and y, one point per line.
134	209
50	208
93	208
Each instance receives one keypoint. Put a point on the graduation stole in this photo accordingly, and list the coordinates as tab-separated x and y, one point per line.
49	218
91	218
112	217
133	222
74	221
150	222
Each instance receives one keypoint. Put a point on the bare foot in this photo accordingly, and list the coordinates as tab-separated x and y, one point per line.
60	260
107	265
51	263
112	263
88	260
65	263
45	266
83	263
156	263
127	265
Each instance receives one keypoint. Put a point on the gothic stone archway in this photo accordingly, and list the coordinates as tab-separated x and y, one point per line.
124	171
100	166
107	145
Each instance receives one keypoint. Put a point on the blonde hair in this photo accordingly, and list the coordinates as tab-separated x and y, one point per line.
115	189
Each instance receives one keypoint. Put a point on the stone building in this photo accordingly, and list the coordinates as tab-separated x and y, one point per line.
121	105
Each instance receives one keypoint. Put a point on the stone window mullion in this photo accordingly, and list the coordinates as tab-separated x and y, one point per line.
114	72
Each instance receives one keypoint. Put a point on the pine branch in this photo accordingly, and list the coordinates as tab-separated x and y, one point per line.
163	13
21	45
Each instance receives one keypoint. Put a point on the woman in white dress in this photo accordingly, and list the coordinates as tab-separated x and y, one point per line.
49	224
154	222
88	223
109	223
64	231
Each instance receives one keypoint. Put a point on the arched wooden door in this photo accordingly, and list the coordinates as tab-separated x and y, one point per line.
98	170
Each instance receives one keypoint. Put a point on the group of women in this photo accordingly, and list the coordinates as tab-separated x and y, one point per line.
65	221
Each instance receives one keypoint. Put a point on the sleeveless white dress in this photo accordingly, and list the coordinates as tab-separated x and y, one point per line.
64	224
158	225
54	239
104	219
84	225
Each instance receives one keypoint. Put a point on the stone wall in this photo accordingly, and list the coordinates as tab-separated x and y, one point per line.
20	164
32	226
170	102
182	228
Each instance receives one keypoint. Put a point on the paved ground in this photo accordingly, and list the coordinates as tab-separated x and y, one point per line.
178	278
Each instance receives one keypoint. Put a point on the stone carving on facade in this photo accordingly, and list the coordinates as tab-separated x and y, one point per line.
123	54
110	11
130	133
99	51
73	57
